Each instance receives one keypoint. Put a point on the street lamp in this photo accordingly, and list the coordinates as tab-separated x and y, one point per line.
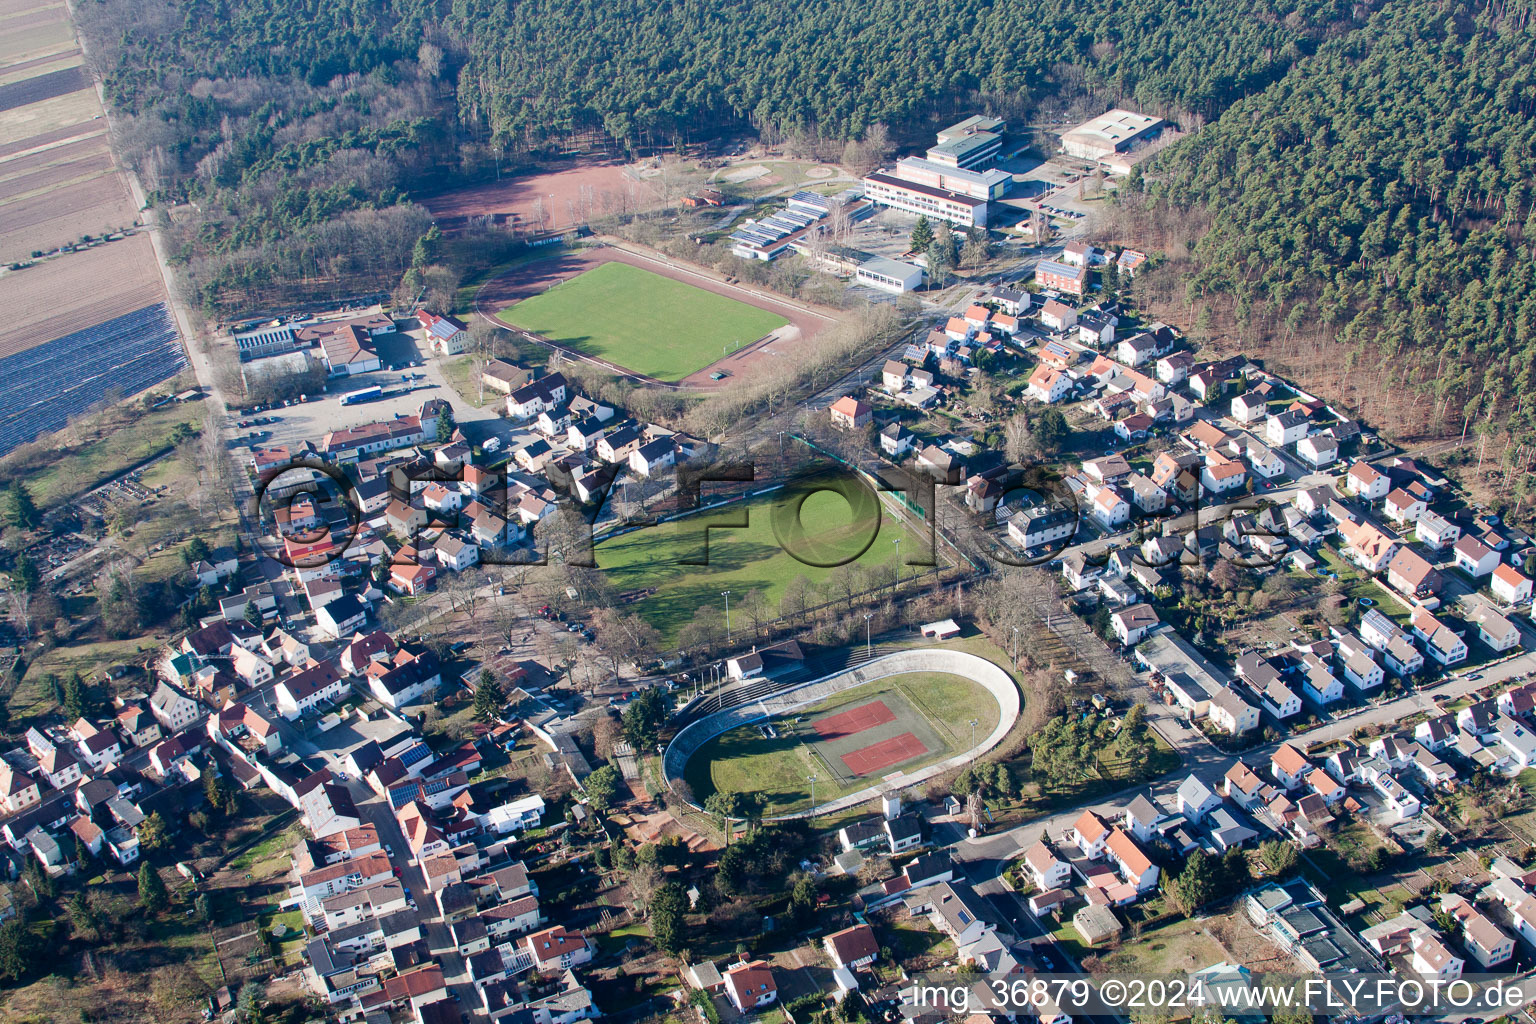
973	732
812	779
1015	646
868	653
727	595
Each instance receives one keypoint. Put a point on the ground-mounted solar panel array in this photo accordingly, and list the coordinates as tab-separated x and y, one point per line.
45	385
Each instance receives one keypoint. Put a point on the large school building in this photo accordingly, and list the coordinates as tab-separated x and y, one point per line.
952	181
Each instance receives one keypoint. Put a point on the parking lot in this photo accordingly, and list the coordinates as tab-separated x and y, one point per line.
312	420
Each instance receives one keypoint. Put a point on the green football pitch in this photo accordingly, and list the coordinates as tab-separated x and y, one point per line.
935	706
642	321
651	565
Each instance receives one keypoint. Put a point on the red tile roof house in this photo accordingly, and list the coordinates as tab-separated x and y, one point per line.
1510	585
853	947
750	986
412	579
850	413
557	948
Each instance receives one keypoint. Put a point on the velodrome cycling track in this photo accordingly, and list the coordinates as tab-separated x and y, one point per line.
984	673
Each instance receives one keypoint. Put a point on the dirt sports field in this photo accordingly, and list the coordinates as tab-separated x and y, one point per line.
549	201
534	278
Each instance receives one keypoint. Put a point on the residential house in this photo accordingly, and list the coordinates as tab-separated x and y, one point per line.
1249	407
1285	428
557	947
1231	713
1057	316
1402	507
1048	868
1289	767
1440	641
1366	481
1174	369
1435	531
750	986
1133	623
304	690
1049	385
1510	585
850	413
139	726
1089	833
1221	475
896	440
18	791
173	709
1134	865
852	947
1244	788
1196	800
1141	818
1318	450
1367	545
1474	557
1495	630
1410	573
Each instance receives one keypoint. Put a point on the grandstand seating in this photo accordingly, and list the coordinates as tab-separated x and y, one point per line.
42	387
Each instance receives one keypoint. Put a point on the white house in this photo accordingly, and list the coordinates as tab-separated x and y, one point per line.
1109	509
1403	508
1510	585
1474	557
1196	799
1249	407
1231	713
1436	531
1283	428
1133	623
1221	475
173	709
1049	385
652	457
341	617
303	691
1366	481
1440	642
751	986
1318	450
1057	316
1089	834
1049	870
1288	766
1135	866
1496	631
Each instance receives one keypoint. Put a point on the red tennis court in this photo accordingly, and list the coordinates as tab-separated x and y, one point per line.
855	720
879	756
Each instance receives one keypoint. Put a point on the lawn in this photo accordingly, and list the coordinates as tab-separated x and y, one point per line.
743	760
460	374
115	440
649	565
642	321
1178	947
33	698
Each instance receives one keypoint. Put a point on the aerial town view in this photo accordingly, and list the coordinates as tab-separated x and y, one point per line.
778	512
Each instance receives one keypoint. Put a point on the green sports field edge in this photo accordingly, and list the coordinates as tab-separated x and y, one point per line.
644	322
743	760
650	567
